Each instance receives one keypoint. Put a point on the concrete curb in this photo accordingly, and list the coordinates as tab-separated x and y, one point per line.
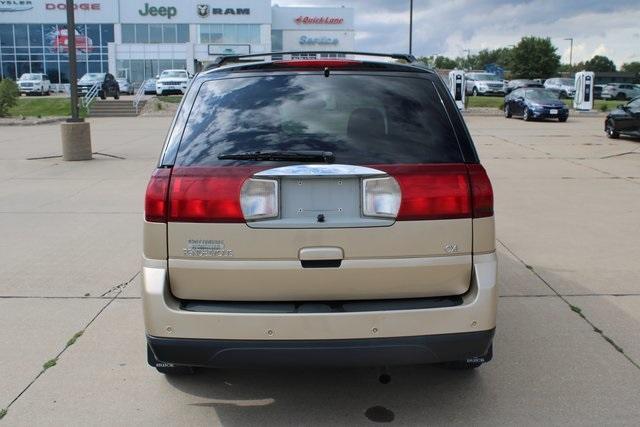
31	121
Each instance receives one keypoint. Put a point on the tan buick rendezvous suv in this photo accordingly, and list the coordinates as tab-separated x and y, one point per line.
318	211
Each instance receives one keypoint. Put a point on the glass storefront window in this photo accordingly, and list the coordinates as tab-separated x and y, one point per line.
41	48
155	33
139	70
229	33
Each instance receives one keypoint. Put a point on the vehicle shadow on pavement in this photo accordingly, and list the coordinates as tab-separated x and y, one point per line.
321	396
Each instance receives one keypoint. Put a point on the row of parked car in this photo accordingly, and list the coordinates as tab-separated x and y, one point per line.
490	84
167	82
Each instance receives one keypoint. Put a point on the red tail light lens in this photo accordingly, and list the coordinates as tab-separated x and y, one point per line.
207	194
481	191
155	201
439	191
317	63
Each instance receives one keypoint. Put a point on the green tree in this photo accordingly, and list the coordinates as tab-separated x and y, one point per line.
600	63
631	67
500	56
534	57
445	63
9	94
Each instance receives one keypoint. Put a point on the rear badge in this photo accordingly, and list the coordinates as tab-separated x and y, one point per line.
206	249
451	248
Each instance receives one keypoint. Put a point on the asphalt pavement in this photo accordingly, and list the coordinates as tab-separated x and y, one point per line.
567	347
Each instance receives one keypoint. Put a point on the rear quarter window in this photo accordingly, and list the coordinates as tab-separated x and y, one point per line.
362	119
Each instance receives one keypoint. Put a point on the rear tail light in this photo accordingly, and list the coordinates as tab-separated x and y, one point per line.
481	191
207	194
155	201
317	63
436	191
380	197
259	199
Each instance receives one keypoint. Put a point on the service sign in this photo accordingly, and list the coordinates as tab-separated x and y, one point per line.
195	11
55	11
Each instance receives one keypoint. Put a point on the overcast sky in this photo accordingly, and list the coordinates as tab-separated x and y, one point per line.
447	27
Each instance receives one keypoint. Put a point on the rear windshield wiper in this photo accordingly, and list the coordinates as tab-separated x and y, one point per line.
299	156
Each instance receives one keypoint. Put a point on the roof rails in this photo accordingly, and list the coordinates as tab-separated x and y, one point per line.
223	59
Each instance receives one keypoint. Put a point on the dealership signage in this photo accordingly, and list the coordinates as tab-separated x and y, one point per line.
76	6
307	41
319	20
15	5
204	10
164	11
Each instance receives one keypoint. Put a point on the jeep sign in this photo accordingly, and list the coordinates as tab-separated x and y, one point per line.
164	11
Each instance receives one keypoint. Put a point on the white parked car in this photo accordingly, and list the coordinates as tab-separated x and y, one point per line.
34	84
172	81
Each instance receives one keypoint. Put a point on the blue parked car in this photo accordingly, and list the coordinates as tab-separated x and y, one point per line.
535	103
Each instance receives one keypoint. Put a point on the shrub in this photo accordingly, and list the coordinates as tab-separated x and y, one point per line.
9	94
604	107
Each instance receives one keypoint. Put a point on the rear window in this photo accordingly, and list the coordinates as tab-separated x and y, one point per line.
361	119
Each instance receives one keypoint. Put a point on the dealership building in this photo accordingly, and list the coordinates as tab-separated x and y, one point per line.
140	38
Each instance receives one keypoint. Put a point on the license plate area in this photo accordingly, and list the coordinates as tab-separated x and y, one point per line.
320	202
553	111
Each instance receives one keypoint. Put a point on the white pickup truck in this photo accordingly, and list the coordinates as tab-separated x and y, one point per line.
34	84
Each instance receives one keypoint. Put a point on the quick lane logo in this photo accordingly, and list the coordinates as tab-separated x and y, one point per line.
168	11
15	5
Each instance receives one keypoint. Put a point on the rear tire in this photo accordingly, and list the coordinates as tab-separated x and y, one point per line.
621	96
507	112
563	95
526	115
167	368
116	95
475	92
102	95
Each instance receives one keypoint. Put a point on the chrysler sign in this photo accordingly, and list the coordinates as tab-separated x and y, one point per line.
15	5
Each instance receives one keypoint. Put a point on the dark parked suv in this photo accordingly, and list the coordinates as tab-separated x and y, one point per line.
318	212
107	85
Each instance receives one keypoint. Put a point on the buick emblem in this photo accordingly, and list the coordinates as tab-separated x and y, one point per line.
203	10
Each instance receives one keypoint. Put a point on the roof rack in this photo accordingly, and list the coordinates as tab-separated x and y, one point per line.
223	59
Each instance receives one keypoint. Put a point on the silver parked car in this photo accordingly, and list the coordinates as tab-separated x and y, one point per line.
125	86
563	87
484	84
621	91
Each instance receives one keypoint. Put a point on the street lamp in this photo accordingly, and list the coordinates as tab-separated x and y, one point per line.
75	132
570	51
410	26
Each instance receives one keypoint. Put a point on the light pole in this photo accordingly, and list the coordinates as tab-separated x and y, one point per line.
410	27
468	53
73	64
570	51
75	132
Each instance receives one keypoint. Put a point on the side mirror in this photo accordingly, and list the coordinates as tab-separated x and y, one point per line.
157	76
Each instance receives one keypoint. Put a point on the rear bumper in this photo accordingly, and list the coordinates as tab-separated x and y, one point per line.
353	352
164	317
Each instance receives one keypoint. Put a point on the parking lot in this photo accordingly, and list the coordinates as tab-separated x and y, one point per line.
567	348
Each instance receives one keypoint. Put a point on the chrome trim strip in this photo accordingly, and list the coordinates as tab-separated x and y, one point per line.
320	170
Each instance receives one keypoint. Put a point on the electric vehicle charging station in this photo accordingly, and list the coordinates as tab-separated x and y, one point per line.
583	99
457	87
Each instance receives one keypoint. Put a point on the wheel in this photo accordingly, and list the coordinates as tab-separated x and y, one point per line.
527	114
102	95
562	119
611	130
475	92
167	368
621	96
507	111
116	95
48	92
471	363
